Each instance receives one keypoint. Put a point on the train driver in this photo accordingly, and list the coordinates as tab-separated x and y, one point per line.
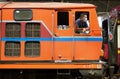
82	24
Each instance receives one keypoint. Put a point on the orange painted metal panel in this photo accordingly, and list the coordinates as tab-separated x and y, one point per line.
46	50
87	50
95	28
63	50
7	14
44	15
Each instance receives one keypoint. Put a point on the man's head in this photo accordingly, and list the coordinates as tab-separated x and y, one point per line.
83	17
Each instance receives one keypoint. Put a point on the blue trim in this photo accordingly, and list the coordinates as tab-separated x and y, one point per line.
55	39
26	39
89	39
63	39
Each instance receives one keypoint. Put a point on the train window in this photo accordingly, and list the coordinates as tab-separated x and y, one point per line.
23	14
62	20
13	30
32	48
12	49
82	22
105	31
32	30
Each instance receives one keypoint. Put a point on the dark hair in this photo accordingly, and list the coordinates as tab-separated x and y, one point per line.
82	15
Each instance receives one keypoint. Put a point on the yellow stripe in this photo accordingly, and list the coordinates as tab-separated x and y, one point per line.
118	51
102	53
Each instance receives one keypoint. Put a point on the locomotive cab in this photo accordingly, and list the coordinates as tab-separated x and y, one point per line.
51	28
75	43
43	36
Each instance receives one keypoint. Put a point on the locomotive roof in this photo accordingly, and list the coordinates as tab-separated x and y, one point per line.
47	5
2	4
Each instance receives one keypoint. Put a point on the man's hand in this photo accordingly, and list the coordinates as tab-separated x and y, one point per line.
84	29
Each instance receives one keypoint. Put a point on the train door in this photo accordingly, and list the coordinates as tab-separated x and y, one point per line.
81	44
112	41
87	37
105	38
63	46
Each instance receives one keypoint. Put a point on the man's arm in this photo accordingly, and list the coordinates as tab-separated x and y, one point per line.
77	23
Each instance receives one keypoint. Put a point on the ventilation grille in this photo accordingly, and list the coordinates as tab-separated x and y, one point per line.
32	49
13	30
32	30
12	49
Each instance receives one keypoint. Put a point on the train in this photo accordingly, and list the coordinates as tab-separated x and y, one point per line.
42	36
110	23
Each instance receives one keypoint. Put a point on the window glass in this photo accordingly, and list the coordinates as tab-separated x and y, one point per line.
22	14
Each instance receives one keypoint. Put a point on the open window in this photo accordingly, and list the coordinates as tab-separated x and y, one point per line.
62	20
78	13
82	25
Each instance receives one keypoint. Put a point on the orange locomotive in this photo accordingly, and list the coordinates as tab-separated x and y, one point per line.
43	36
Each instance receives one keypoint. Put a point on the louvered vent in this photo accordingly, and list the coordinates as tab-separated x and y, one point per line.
32	49
13	30
12	49
32	30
